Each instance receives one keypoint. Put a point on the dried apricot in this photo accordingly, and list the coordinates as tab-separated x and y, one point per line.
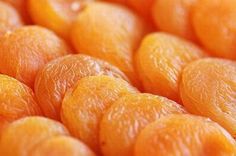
21	7
215	26
184	135
61	146
127	117
21	136
56	15
26	50
83	107
58	76
208	88
9	18
109	32
160	60
174	16
16	101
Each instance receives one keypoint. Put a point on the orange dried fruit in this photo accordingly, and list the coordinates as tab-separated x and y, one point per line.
58	76
56	15
84	105
215	26
21	136
184	135
16	101
26	50
123	121
208	88
109	32
61	146
21	7
174	16
160	61
9	18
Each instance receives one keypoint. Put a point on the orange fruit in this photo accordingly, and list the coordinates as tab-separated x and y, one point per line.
160	61
208	88
84	105
21	7
58	76
56	15
61	146
215	26
26	50
123	121
174	16
101	30
184	135
9	18
16	101
21	136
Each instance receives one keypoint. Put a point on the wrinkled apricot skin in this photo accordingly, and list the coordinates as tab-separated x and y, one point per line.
21	136
83	106
217	30
58	76
174	16
55	15
9	18
26	50
208	88
21	7
123	121
184	135
61	146
101	30
160	60
16	101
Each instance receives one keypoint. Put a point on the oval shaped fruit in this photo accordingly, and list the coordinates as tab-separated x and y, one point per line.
217	30
174	16
160	61
184	135
21	136
84	105
61	146
16	101
123	121
21	7
58	76
101	30
56	15
9	18
208	88
26	50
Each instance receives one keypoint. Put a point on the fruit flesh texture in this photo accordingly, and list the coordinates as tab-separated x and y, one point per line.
21	7
21	136
9	18
61	146
127	117
184	135
84	105
208	88
26	50
174	16
56	15
58	76
16	101
217	30
160	61
101	30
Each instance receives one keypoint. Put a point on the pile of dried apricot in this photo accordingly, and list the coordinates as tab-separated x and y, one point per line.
117	77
